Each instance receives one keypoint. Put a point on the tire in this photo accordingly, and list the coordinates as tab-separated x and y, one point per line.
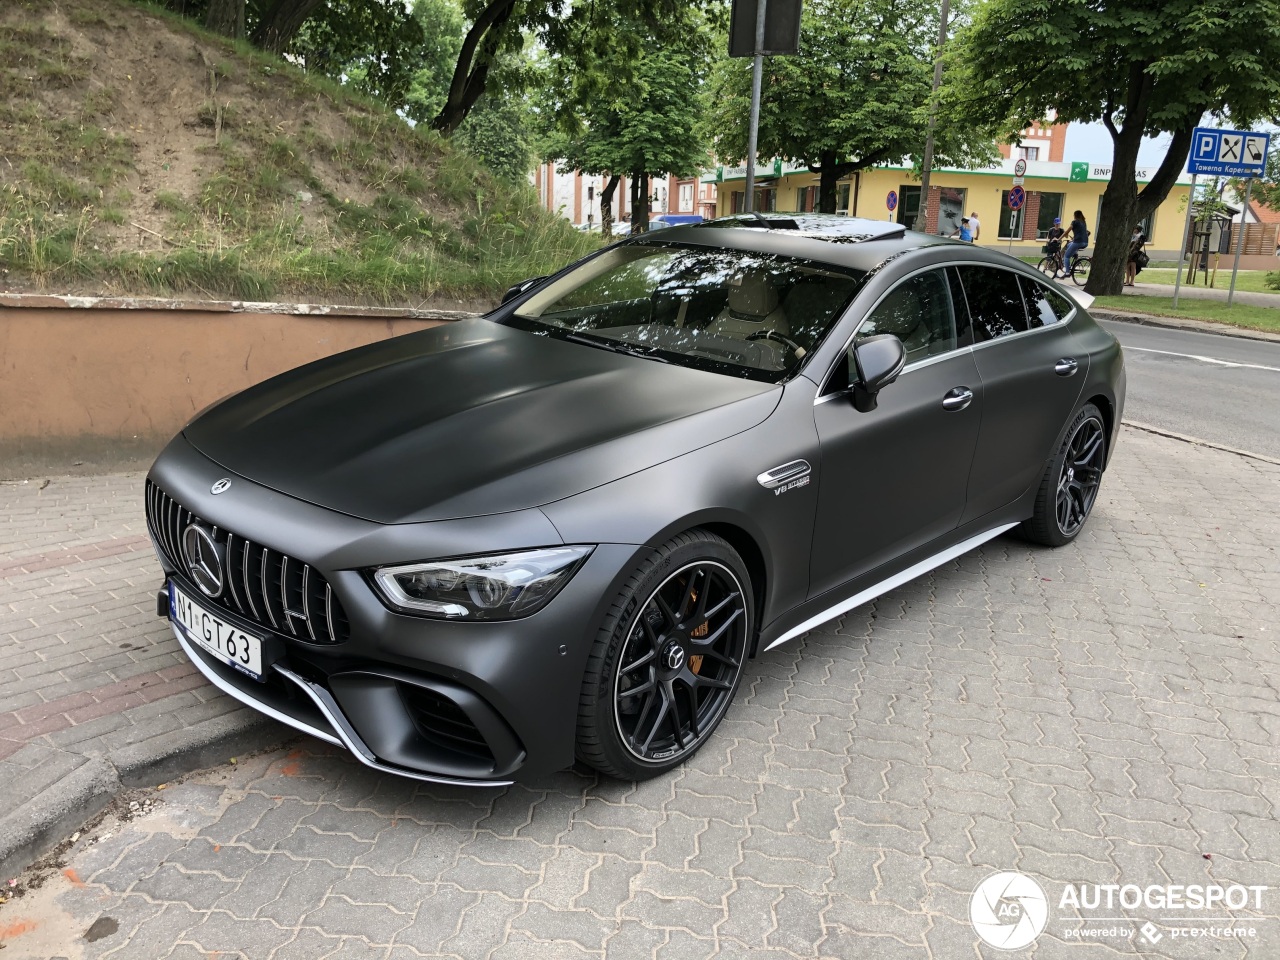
1080	272
1045	266
1070	485
668	659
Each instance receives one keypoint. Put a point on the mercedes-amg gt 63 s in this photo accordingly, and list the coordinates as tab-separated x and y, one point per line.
473	553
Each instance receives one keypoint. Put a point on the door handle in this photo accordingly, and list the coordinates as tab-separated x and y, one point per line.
957	398
1066	366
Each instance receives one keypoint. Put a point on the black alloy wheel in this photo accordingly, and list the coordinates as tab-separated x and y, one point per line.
1071	481
1080	476
664	673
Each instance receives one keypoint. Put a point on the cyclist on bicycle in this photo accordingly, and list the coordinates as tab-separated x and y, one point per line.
1053	243
1079	240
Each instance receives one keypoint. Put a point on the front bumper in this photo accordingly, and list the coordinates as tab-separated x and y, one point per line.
483	703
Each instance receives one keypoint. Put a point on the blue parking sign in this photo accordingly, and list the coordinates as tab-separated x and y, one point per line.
1228	153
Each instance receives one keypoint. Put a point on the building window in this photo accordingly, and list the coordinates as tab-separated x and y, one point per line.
1029	153
950	209
806	199
766	200
842	197
686	196
908	205
1050	206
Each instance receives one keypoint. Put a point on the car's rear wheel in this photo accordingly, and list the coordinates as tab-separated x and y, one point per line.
668	659
1070	485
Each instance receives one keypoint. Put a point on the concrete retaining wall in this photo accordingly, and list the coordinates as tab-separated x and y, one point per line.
81	372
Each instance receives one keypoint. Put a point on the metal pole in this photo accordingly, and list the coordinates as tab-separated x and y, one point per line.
1013	225
1186	232
926	166
1248	189
757	68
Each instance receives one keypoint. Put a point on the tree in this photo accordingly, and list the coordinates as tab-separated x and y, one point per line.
1140	67
497	132
597	31
1266	189
856	95
647	127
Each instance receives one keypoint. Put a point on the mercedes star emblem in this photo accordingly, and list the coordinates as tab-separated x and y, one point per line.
222	486
204	560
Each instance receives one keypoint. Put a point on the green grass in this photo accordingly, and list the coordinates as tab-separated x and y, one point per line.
395	215
1213	311
1250	281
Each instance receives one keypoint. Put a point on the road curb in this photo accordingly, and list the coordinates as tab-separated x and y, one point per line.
31	827
1178	323
1198	441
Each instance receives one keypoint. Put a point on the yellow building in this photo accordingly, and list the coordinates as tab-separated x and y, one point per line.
1052	189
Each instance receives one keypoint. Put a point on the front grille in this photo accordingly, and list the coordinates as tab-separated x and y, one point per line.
443	722
263	585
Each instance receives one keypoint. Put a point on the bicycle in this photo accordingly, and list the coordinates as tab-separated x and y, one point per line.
1079	273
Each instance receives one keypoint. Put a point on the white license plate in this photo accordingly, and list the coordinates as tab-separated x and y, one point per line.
206	629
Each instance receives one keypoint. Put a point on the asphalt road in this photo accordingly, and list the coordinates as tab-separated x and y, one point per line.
1218	388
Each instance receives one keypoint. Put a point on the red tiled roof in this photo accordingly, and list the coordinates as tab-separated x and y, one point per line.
1265	214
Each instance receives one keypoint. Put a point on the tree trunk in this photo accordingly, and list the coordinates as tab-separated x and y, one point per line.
640	205
827	177
281	23
226	17
606	206
471	72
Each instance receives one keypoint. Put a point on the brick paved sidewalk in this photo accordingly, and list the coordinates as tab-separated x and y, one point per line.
1108	713
94	690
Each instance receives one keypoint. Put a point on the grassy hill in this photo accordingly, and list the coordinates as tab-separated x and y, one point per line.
142	155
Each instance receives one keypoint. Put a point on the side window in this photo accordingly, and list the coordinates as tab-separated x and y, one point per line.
917	312
1045	305
995	302
960	306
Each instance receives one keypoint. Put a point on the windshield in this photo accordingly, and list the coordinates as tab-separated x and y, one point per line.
736	312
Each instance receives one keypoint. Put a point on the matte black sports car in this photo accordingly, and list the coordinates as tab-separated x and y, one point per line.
470	553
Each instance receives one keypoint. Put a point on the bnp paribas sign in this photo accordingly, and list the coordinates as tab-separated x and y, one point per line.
1084	172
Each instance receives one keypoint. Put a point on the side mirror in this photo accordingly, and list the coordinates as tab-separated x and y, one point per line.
521	287
878	360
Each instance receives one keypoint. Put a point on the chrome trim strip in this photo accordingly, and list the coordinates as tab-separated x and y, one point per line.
244	698
328	611
329	707
776	477
244	578
284	594
266	594
230	572
306	600
884	586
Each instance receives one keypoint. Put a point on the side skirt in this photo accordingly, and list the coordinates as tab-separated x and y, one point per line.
884	586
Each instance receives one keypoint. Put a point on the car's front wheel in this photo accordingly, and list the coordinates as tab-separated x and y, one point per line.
668	658
1070	484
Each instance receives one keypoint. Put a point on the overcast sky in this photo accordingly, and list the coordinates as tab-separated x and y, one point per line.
1091	143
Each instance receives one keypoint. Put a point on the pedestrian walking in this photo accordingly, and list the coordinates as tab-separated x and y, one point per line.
975	226
1138	257
1079	231
964	232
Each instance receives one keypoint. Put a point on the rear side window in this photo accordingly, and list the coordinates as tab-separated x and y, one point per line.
995	302
1045	305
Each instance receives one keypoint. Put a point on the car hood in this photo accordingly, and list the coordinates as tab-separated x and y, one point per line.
468	419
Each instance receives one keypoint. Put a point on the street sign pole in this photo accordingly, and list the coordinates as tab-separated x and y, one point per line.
1248	189
757	69
1013	228
1186	233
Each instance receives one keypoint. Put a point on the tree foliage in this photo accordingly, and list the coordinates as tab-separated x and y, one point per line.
1140	67
497	131
644	128
856	95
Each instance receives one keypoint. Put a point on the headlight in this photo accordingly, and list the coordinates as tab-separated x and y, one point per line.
501	586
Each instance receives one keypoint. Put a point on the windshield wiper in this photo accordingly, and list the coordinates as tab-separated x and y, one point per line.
616	347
